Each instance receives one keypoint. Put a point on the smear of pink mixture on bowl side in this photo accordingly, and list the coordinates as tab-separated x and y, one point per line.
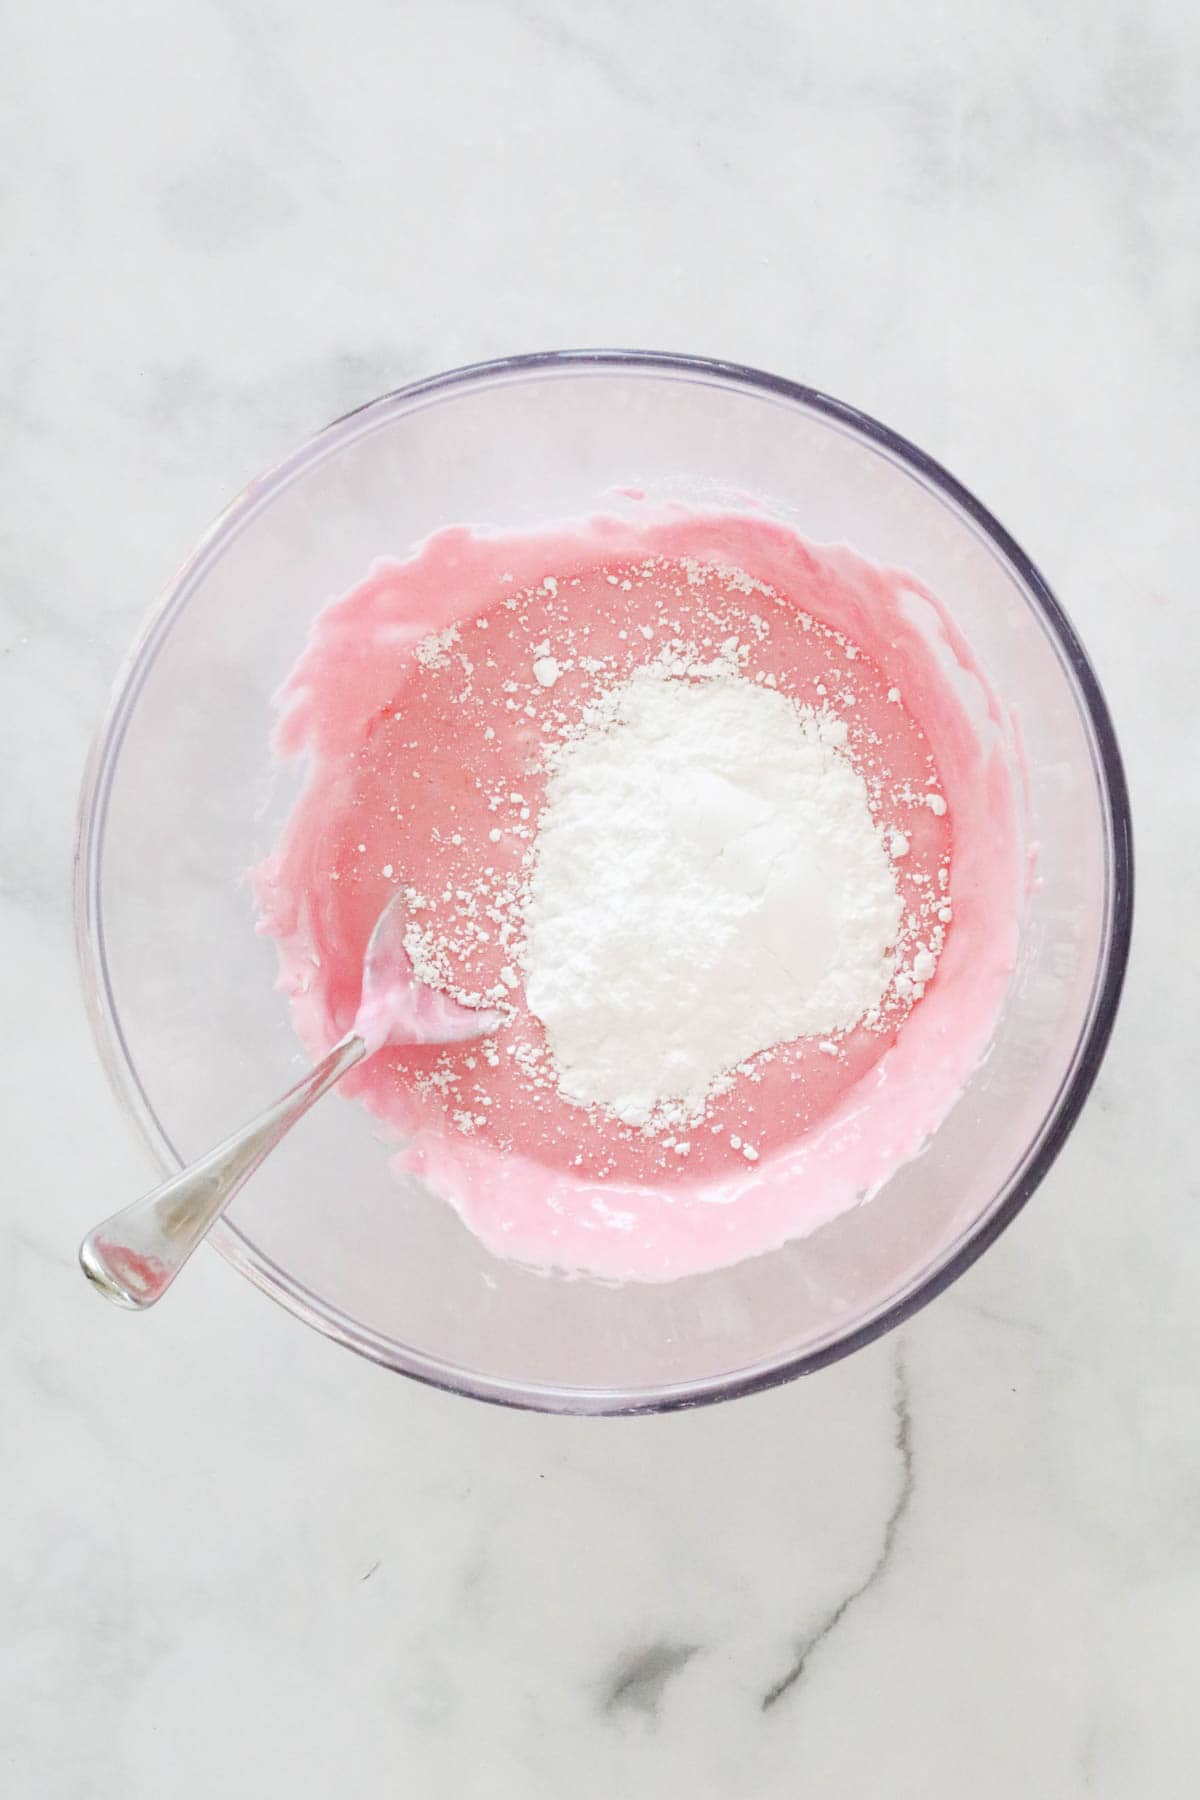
434	704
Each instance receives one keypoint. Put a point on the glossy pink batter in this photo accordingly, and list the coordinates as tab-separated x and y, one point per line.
421	709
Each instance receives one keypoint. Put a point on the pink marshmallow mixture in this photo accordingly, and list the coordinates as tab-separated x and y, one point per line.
426	703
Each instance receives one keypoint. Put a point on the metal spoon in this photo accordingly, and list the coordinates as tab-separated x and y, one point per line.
134	1256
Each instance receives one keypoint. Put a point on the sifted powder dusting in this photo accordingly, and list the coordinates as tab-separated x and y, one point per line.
708	882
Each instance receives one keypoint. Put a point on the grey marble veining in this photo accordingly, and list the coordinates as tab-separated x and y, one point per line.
968	1559
819	1633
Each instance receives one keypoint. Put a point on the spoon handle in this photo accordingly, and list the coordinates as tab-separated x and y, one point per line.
136	1254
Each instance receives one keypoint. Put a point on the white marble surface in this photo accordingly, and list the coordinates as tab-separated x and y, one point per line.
235	1560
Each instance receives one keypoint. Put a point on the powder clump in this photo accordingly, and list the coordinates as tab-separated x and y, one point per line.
708	882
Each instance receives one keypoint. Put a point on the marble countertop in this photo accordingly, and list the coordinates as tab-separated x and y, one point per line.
238	1561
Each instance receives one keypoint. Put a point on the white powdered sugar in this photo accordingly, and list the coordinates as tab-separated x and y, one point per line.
708	881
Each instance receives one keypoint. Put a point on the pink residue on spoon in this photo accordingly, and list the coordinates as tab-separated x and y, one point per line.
398	1009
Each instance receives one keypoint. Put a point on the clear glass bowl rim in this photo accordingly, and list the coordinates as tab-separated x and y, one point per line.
101	770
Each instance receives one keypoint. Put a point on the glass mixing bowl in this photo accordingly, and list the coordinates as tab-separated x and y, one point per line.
181	797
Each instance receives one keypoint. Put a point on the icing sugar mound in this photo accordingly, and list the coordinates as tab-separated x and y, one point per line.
708	881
